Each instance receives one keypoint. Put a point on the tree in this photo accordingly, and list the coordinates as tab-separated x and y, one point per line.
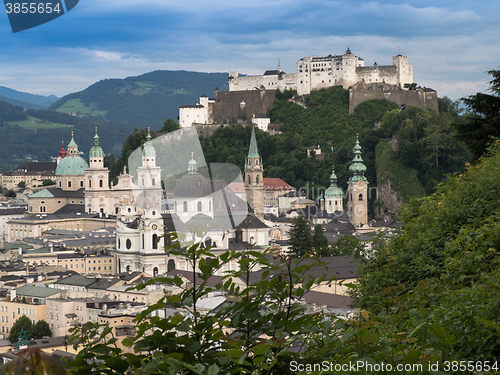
21	184
169	126
22	323
48	182
320	241
483	120
301	241
41	329
347	245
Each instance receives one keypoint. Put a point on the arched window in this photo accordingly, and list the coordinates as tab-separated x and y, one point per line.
60	183
257	180
155	271
128	244
153	182
81	183
119	245
155	241
90	183
69	184
360	197
171	265
249	179
199	206
185	204
116	210
100	183
208	241
128	268
143	241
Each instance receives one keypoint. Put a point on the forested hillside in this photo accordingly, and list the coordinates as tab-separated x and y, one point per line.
145	100
427	146
41	143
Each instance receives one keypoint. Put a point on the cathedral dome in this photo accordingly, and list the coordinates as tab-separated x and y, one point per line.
74	165
193	184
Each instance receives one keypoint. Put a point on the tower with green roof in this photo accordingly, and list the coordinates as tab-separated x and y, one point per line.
254	181
97	181
149	177
357	189
70	171
334	197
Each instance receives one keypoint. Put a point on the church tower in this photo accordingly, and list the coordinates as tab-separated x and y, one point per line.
97	181
149	178
254	181
357	189
333	196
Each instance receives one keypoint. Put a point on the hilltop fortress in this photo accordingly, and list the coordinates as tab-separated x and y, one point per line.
255	95
315	73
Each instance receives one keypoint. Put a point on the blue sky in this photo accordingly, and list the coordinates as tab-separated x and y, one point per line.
451	44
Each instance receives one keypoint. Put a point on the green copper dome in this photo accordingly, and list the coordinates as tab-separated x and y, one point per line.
71	165
357	168
333	191
148	149
96	150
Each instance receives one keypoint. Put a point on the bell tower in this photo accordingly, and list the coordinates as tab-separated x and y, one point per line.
97	181
254	181
357	189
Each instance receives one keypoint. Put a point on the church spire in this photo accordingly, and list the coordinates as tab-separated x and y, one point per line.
96	150
148	149
357	168
253	151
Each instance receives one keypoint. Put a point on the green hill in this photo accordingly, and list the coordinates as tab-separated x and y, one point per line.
142	101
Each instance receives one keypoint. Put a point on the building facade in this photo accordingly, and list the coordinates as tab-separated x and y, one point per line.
315	73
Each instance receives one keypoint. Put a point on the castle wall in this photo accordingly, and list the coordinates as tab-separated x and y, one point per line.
421	97
315	73
231	106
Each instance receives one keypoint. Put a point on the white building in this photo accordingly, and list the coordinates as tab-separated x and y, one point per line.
315	73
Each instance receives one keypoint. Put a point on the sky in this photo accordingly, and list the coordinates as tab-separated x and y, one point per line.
451	44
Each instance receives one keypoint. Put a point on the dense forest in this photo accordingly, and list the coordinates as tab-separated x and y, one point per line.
148	99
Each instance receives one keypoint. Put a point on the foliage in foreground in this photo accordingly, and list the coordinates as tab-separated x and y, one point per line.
439	277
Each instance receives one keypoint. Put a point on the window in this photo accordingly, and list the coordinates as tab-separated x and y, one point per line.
100	183
153	182
90	183
185	204
128	244
81	183
199	206
155	241
69	184
360	197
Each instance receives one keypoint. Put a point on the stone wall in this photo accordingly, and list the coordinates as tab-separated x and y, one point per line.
240	106
421	97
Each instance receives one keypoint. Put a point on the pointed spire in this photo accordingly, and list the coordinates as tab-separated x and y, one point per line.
357	167
253	151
